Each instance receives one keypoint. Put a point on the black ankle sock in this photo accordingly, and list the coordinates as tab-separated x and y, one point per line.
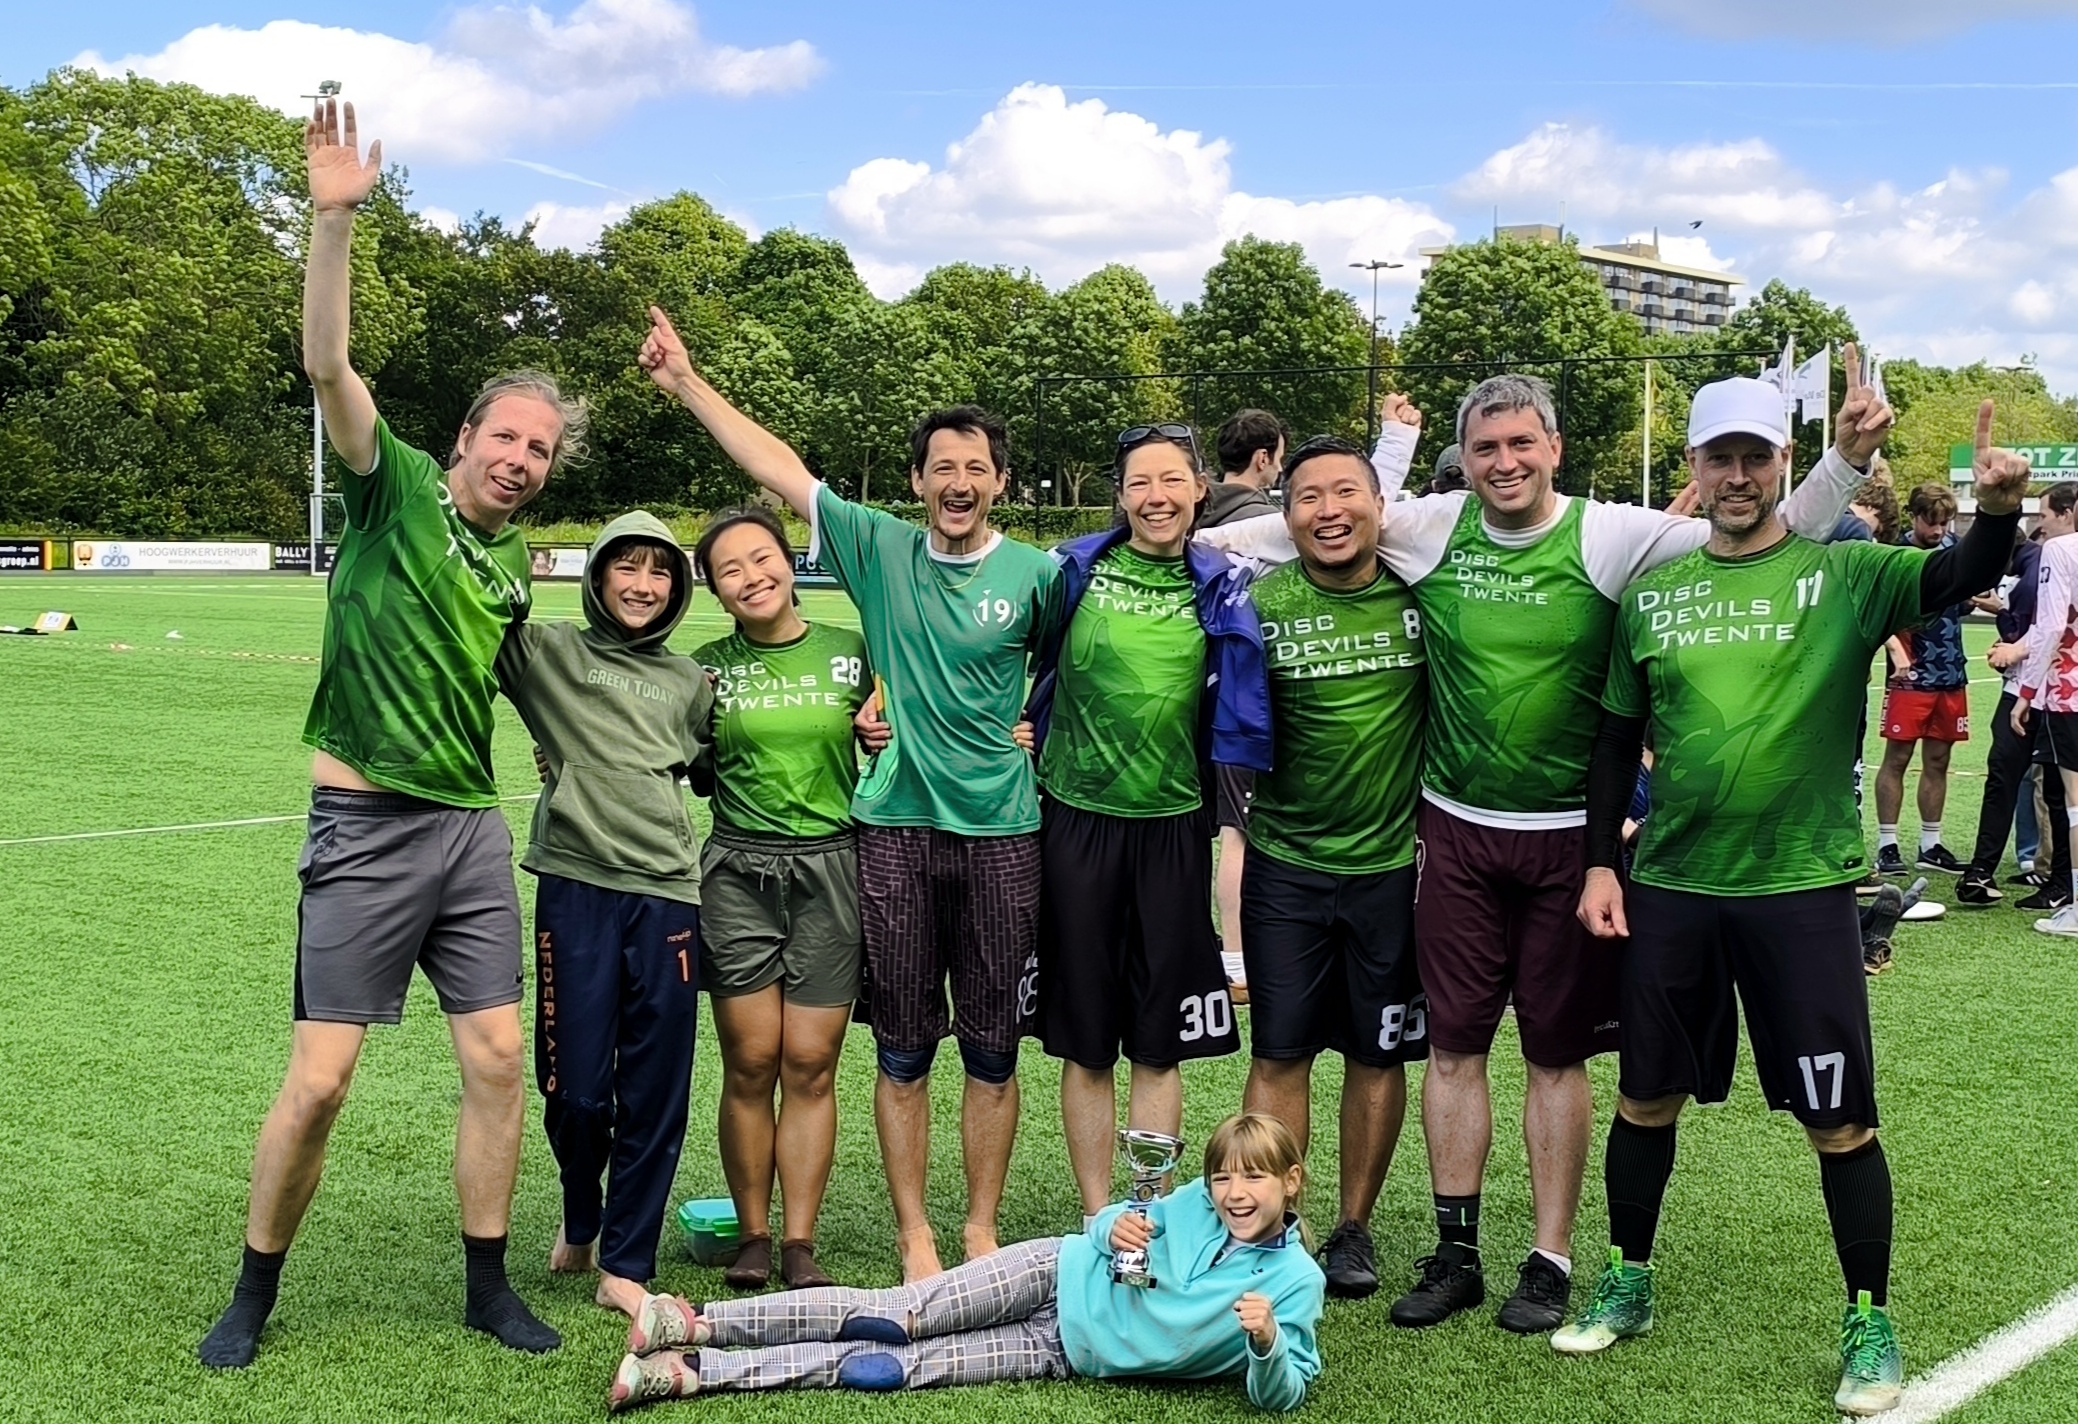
235	1339
1635	1173
1457	1223
493	1306
1858	1202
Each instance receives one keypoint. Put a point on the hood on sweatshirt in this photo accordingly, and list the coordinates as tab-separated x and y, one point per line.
636	524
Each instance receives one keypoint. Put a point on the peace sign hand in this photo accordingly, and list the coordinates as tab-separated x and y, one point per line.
1864	420
2002	475
339	181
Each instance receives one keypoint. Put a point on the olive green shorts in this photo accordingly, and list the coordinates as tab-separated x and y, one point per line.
782	912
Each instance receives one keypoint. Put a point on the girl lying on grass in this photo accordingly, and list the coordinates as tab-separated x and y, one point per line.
1238	1293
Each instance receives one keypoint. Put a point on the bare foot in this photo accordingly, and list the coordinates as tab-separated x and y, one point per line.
980	1239
620	1293
919	1248
567	1260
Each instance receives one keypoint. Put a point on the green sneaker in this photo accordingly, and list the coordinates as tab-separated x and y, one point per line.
1872	1368
1621	1307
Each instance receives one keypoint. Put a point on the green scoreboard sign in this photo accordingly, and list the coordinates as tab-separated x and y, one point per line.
2051	462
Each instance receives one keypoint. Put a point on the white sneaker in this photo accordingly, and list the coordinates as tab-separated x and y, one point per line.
2063	922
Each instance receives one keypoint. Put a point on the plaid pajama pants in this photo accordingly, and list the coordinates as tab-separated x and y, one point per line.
990	1319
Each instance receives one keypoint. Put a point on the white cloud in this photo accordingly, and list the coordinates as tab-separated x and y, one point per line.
1064	188
1881	22
577	228
447	220
498	76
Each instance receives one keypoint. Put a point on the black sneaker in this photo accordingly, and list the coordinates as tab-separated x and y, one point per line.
1451	1281
1876	956
1542	1292
1936	857
2049	897
1350	1262
1889	861
1977	888
1869	884
2030	879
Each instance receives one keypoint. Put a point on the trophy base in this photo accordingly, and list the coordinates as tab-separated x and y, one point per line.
1140	1280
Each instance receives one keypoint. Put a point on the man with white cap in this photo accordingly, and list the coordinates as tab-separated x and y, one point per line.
1517	586
1750	659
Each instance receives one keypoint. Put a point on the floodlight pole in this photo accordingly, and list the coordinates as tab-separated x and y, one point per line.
1374	267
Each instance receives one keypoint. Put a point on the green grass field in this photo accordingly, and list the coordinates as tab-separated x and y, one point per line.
144	1004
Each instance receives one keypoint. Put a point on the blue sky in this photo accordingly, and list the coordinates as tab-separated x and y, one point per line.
1915	159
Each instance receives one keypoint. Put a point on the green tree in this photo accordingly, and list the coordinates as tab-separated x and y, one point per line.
1937	409
890	365
1264	308
1780	313
984	315
1110	323
1510	305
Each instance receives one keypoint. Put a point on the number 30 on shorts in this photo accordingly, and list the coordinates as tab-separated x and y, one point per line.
1403	1023
1206	1014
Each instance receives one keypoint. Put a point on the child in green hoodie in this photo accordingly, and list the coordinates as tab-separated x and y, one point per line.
1236	1294
618	719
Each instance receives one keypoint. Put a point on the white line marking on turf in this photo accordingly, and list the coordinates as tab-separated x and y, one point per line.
189	826
1961	1378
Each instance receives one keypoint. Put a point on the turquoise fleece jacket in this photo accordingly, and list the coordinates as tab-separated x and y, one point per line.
1185	1327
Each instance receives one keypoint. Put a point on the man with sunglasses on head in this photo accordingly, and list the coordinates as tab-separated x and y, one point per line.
1518	587
1156	685
948	812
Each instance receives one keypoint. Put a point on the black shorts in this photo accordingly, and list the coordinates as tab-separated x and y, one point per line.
2058	743
1128	962
1233	792
1795	961
1330	962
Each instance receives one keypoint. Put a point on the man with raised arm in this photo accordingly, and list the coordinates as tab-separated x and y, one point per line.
1517	586
948	813
408	859
1750	659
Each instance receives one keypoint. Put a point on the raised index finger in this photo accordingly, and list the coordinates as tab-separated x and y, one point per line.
1851	358
1984	412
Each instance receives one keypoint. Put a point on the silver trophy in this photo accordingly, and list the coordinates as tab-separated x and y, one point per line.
1150	1158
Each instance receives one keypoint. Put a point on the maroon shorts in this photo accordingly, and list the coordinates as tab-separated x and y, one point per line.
1494	914
1913	715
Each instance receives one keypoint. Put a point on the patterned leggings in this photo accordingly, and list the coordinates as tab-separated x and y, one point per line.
990	1319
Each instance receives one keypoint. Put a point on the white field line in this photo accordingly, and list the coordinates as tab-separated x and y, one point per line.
1961	1378
189	826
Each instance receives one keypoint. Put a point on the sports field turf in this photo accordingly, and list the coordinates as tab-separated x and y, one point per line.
144	1001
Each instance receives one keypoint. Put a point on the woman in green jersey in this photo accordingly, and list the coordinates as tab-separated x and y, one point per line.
781	952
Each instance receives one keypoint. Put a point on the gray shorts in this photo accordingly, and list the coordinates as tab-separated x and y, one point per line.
390	881
782	912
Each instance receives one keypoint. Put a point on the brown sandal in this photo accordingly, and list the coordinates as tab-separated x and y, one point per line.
752	1268
797	1267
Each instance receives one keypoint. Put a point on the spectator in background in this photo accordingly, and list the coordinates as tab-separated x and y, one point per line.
1926	704
1875	504
1450	471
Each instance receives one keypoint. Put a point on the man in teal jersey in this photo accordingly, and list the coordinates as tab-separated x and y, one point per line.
409	859
1517	585
1327	898
1750	658
948	814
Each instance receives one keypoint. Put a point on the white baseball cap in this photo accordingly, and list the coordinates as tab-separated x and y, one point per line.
1739	406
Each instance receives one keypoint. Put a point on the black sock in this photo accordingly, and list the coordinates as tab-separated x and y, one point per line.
1457	1224
1635	1174
493	1306
1858	1202
235	1339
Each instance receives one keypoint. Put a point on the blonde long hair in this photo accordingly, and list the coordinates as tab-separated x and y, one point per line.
1261	1143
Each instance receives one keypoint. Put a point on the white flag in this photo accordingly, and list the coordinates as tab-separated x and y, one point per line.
1812	386
1873	375
1781	373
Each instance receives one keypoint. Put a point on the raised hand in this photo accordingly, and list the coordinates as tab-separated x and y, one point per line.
2002	475
1688	501
663	354
339	180
1864	420
1396	409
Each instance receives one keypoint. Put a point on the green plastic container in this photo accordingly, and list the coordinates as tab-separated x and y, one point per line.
712	1235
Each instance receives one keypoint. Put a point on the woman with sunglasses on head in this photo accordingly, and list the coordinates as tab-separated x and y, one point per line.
1157	676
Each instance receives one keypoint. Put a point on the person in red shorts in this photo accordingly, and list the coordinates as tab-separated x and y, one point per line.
1926	704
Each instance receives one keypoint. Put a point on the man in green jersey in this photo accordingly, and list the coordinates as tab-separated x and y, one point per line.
948	814
409	860
1327	898
1750	658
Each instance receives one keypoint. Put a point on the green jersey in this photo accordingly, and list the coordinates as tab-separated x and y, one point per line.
415	611
1348	692
1516	701
951	638
1755	673
784	763
1124	739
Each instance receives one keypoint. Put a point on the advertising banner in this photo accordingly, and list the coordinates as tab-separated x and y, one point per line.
24	554
557	563
295	558
2051	462
109	556
810	574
